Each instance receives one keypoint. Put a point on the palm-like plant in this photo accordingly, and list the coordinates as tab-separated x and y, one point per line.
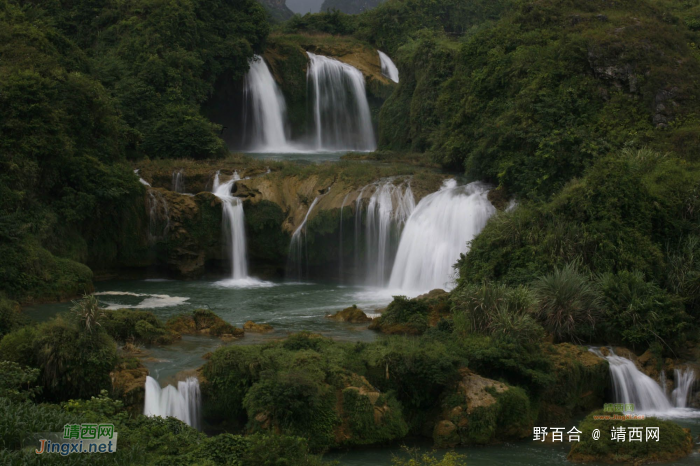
568	303
88	311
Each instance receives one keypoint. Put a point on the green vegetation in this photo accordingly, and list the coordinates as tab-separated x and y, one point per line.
202	322
136	326
674	442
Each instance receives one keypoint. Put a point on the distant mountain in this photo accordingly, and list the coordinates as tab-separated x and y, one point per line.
277	9
351	7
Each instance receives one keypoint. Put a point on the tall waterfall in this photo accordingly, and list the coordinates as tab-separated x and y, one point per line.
630	385
436	233
233	226
182	402
158	216
388	209
265	110
341	116
388	67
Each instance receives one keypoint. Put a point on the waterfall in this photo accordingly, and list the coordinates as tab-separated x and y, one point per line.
630	385
158	216
141	180
233	226
341	115
178	183
182	402
387	211
297	247
684	380
340	242
266	110
436	233
388	68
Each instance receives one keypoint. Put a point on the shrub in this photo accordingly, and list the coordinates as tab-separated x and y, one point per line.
638	312
88	312
135	325
403	315
11	316
17	382
569	303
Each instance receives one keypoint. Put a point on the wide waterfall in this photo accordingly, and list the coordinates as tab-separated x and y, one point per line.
388	67
436	233
182	402
233	226
265	115
630	385
341	116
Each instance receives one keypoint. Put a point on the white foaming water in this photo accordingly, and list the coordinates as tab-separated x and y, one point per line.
388	209
389	69
265	124
684	381
141	180
436	233
182	402
630	385
342	119
150	301
233	226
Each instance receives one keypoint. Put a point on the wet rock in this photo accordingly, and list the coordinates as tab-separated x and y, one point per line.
129	382
203	322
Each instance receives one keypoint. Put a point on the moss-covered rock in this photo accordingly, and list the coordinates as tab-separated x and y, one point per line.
581	379
252	327
413	316
480	411
352	314
129	382
203	322
674	442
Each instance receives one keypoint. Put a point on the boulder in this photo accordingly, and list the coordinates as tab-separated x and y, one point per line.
129	382
252	327
351	314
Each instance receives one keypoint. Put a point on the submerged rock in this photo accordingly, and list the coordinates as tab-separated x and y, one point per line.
351	314
252	327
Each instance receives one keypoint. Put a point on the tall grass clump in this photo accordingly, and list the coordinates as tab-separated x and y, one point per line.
568	303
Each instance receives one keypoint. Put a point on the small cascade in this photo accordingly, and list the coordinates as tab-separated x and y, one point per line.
389	69
141	180
297	247
178	183
233	226
265	114
436	233
341	115
158	216
388	209
340	242
630	385
684	379
183	402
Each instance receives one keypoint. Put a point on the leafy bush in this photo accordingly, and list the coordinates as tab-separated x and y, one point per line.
569	303
638	312
135	325
403	315
17	382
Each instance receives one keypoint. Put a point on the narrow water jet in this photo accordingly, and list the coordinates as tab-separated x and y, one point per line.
297	247
389	69
183	402
158	216
436	233
265	110
178	181
341	115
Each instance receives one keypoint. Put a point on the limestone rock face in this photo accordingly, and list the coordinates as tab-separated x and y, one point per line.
351	314
129	382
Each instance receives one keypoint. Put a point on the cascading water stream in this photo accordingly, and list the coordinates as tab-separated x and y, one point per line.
341	115
388	67
183	402
630	385
297	246
178	182
264	124
436	233
684	380
233	226
387	211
